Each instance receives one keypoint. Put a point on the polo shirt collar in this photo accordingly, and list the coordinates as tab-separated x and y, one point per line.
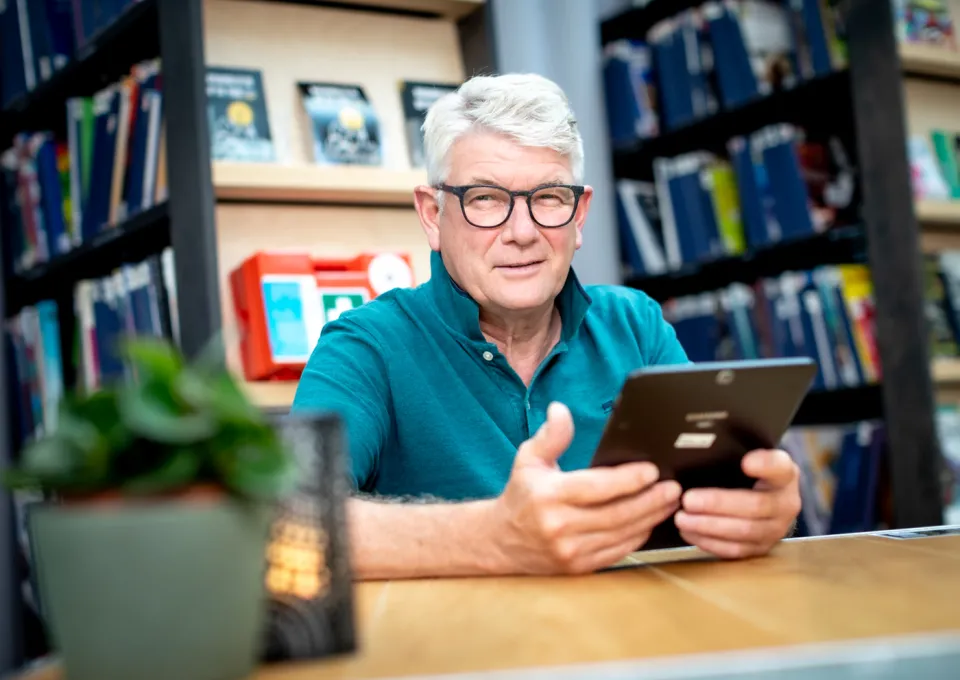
462	314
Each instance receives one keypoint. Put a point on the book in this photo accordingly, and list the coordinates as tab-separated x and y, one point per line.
237	115
344	127
417	98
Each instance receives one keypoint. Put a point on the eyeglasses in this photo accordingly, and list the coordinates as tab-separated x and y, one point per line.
488	206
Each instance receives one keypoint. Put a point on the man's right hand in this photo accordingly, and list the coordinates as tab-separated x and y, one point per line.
550	522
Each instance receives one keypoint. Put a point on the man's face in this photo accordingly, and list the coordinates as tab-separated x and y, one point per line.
519	265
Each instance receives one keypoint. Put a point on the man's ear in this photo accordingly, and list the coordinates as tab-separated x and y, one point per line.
582	209
428	210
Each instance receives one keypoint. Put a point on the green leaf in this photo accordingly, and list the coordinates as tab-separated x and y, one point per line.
258	471
177	471
152	359
50	458
150	412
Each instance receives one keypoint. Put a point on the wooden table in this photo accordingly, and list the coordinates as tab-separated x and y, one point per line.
654	607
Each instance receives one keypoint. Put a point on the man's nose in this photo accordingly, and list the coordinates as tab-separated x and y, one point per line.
520	228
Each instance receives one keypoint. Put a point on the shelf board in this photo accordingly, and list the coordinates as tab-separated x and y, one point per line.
841	406
938	213
449	9
273	395
927	60
279	183
137	238
946	371
841	245
108	56
634	23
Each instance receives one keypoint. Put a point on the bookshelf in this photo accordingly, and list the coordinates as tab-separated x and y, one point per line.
870	112
106	56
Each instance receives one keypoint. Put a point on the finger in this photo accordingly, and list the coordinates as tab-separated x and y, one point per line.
607	557
735	529
597	486
551	439
631	513
774	469
746	503
604	549
730	550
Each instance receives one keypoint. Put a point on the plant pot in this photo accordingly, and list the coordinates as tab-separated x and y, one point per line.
153	590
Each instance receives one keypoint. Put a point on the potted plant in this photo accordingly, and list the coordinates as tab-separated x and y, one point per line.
150	552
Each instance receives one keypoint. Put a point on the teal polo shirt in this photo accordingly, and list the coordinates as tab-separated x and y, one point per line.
431	408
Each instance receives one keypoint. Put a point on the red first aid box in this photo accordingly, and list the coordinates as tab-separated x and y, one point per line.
282	300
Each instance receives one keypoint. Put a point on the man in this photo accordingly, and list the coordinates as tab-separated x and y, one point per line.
473	403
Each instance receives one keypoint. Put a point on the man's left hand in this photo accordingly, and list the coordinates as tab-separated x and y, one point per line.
737	523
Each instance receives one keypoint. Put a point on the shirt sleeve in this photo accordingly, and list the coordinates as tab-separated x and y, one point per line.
346	374
664	347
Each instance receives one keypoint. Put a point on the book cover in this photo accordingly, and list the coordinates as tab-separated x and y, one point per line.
417	98
237	113
344	127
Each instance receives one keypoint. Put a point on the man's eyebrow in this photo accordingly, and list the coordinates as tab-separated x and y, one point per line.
487	180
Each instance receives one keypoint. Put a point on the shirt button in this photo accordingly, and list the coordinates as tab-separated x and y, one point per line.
488	356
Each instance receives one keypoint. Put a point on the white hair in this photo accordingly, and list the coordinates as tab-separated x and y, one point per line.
528	108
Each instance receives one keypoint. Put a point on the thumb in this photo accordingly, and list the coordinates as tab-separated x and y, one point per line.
551	439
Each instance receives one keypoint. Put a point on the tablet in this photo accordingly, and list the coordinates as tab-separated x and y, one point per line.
695	422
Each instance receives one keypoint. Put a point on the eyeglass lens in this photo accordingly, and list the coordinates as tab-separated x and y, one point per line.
489	207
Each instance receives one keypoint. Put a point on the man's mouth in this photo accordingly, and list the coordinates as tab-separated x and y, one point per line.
520	265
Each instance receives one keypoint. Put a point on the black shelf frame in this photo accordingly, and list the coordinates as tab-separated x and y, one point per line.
870	88
840	245
104	59
842	406
634	23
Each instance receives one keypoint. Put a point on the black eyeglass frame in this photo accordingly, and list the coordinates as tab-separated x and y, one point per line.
461	190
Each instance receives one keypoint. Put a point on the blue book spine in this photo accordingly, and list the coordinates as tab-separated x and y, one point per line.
791	202
752	210
13	76
51	194
813	21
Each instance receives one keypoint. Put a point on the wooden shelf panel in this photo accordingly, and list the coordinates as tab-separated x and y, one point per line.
925	60
449	9
939	213
272	395
315	183
946	371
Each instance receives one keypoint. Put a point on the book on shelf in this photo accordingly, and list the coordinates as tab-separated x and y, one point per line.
841	480
60	192
776	185
38	38
948	434
826	313
718	56
343	126
136	299
416	98
237	115
925	22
